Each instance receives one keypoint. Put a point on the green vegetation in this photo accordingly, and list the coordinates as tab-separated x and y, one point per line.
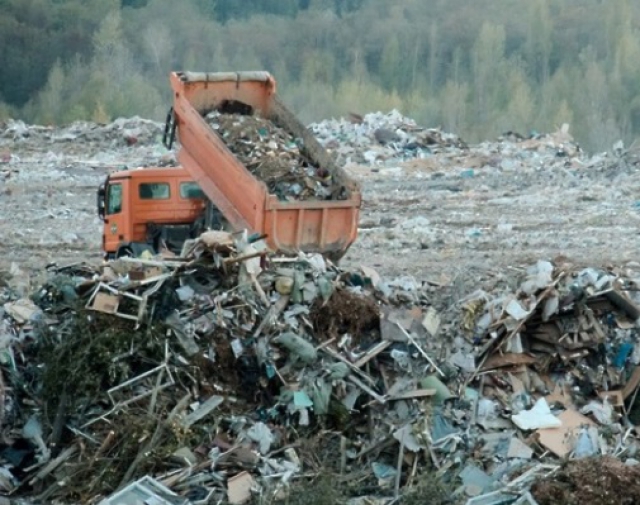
476	68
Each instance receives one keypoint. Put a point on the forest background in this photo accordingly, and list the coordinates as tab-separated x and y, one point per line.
477	68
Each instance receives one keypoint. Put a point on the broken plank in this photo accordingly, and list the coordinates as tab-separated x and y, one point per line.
202	411
614	397
367	389
372	353
337	356
54	463
624	303
421	350
507	359
632	383
417	393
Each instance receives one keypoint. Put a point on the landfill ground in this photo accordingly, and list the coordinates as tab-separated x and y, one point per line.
478	343
431	222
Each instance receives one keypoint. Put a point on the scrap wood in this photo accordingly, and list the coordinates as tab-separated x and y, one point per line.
497	342
343	454
421	350
154	394
176	262
2	398
614	397
248	256
334	354
274	311
386	441
202	411
396	492
521	324
239	488
215	238
176	476
106	444
416	393
632	384
506	360
256	284
65	455
161	428
59	421
623	302
560	440
372	353
378	398
561	395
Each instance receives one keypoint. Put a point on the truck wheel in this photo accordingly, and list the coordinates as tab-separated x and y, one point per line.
124	251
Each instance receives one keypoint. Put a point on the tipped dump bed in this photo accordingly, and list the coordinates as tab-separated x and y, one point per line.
325	226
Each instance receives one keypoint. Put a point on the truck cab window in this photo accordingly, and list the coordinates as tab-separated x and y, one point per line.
114	198
191	191
153	191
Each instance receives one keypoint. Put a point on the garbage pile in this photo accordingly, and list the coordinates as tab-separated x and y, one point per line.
226	373
557	362
382	138
274	156
200	373
392	140
121	132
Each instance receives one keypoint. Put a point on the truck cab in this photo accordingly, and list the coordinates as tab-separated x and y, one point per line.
149	208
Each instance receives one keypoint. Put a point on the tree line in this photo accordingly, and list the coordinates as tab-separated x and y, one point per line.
475	68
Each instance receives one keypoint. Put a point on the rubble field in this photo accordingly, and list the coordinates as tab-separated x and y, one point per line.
477	345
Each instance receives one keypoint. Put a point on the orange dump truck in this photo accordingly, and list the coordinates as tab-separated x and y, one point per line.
146	208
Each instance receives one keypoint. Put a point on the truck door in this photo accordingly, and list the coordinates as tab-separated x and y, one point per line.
116	212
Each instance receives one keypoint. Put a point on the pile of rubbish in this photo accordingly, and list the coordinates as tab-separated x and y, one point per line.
274	156
227	373
119	133
391	140
378	138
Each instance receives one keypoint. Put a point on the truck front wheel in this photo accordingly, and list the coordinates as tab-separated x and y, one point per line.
124	251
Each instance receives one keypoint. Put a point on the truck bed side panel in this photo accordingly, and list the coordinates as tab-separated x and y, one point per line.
328	227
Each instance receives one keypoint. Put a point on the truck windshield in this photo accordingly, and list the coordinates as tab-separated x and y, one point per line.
191	190
114	198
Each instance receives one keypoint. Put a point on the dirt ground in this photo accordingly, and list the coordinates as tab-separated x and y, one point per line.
495	220
430	226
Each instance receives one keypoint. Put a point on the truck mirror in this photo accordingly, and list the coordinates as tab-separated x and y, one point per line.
101	201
